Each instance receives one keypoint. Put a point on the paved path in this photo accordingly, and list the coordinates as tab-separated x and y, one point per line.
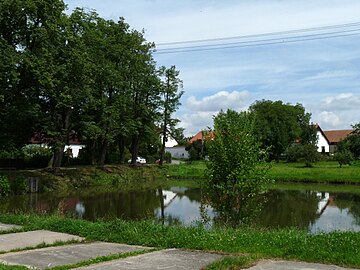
23	240
173	259
289	265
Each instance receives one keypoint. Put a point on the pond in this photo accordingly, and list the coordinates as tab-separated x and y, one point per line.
314	209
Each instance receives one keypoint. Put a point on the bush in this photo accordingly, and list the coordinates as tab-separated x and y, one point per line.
293	153
20	185
303	152
4	186
36	156
343	157
167	157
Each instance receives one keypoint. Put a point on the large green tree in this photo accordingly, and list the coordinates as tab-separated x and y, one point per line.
278	125
63	75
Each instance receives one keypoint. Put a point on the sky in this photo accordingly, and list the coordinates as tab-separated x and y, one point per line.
323	74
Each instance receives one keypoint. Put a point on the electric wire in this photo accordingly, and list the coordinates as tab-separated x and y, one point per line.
321	28
262	42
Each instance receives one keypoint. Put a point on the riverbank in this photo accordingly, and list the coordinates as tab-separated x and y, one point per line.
322	172
340	248
110	176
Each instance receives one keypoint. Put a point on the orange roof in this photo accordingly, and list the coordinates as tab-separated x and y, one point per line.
335	136
199	136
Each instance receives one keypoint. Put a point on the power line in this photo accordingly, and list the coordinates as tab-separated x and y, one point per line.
295	31
257	42
261	42
253	45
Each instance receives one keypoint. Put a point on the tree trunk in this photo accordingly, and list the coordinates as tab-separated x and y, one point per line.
121	144
134	148
104	147
58	156
92	152
162	152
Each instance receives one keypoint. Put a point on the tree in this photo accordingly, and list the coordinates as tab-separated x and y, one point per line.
343	157
352	142
236	170
79	74
278	125
197	150
169	103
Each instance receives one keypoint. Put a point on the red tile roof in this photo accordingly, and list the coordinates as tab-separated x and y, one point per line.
199	136
335	136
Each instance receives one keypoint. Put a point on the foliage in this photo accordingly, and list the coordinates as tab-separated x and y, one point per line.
167	157
79	75
4	186
237	173
293	153
309	154
278	125
10	154
19	185
352	142
170	86
343	157
36	156
197	150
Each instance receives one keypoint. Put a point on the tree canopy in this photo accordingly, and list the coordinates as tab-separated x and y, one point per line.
236	168
80	74
278	125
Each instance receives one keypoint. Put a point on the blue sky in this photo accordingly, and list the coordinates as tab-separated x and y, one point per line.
323	75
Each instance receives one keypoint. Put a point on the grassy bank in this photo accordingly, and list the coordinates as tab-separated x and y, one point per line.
332	248
67	179
323	172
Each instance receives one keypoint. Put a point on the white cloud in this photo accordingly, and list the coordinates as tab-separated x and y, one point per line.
193	122
221	100
329	119
335	74
199	113
342	102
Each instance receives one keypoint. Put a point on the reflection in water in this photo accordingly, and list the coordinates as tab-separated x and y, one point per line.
305	209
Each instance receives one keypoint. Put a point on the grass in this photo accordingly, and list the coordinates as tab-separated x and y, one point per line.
188	170
341	248
12	267
323	172
102	259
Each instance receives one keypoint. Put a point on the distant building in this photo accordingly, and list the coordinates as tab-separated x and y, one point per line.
335	136
327	140
72	147
177	152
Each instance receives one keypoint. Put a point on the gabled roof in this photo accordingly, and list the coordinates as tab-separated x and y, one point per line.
335	136
318	128
200	136
42	138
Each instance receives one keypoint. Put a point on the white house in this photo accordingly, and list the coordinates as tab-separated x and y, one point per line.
328	140
177	152
73	146
323	144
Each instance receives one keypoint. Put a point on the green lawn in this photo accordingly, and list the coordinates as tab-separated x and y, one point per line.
322	172
341	248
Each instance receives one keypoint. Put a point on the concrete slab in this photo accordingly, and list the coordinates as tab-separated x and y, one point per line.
8	227
22	240
172	259
291	265
64	255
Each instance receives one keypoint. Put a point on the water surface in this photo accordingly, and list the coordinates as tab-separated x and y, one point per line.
310	209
